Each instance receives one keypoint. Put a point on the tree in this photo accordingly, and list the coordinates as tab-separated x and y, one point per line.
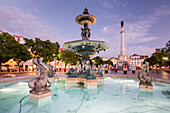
44	49
21	54
8	45
157	58
108	62
68	57
97	61
168	47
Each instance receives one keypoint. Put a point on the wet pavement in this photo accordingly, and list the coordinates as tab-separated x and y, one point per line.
5	74
160	76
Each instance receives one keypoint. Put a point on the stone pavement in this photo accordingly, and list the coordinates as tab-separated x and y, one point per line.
7	79
159	76
3	74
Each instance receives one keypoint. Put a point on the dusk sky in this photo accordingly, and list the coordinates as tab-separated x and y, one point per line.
147	22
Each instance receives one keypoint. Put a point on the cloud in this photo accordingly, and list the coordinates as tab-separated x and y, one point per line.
141	50
110	3
106	4
137	33
36	10
124	4
22	23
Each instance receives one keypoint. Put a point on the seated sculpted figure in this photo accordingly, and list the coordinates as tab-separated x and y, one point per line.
88	68
78	67
143	76
39	84
71	72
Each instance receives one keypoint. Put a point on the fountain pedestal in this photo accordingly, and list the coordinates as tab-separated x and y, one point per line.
40	95
146	86
41	98
89	83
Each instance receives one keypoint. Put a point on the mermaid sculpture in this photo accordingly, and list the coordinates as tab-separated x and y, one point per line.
39	84
145	79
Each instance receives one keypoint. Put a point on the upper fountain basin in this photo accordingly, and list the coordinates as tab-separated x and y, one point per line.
85	47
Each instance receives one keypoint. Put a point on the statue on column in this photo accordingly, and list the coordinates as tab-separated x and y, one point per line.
122	23
39	84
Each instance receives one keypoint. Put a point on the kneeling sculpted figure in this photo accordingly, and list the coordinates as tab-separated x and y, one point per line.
143	76
39	84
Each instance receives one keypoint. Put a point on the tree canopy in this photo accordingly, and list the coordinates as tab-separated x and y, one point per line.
157	58
22	54
7	46
97	61
168	47
45	49
68	57
10	48
108	62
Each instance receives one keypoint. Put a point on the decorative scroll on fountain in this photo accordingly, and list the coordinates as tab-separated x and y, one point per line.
85	72
144	77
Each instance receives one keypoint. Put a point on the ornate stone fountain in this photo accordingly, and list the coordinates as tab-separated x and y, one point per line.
84	48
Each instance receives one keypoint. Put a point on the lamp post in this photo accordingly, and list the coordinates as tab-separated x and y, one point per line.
54	62
165	59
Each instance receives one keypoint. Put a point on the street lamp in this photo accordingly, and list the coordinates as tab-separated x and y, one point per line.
165	58
54	62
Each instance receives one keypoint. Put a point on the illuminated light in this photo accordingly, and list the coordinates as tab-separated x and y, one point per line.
8	89
22	83
104	28
108	78
125	81
165	58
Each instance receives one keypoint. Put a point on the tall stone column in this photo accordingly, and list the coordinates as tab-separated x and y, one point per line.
122	56
122	47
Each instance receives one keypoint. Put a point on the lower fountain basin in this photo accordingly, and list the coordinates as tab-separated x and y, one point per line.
116	95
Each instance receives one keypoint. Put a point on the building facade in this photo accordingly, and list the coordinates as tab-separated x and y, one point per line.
137	60
114	60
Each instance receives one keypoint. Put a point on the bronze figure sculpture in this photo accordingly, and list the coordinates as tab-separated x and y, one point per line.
39	84
122	23
144	77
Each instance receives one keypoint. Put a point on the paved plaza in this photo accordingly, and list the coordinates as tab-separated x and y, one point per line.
160	76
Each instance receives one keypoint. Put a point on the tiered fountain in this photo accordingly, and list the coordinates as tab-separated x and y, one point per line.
84	48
